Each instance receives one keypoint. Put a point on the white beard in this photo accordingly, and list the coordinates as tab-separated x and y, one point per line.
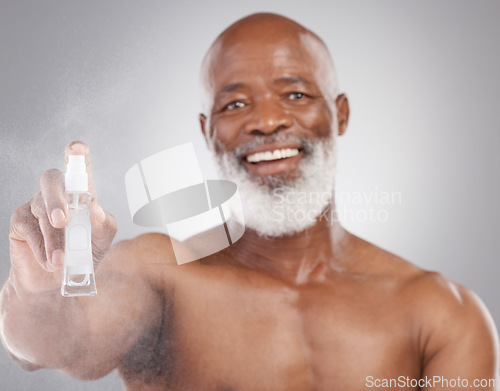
274	206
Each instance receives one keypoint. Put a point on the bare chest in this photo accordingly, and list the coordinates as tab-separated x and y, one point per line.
233	336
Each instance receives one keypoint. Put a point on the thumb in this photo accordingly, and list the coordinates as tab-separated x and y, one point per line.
104	228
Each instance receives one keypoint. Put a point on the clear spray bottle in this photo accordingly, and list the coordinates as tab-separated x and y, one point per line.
78	279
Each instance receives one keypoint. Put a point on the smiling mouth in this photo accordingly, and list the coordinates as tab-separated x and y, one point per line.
272	155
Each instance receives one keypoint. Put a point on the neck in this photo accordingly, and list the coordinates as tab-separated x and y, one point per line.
308	256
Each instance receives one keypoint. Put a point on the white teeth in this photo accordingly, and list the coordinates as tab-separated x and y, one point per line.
272	155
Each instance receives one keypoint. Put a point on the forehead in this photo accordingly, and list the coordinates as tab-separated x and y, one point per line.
261	55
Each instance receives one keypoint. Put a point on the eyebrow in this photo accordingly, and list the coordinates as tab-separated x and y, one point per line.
231	87
281	80
292	80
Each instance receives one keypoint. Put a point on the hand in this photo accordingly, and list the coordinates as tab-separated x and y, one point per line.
37	230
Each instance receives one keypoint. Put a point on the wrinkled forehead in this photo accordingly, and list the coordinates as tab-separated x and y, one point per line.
272	46
299	46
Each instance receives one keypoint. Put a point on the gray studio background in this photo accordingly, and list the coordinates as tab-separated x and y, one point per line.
423	83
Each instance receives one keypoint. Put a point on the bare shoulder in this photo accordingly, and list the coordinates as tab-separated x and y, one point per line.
452	324
148	256
457	335
451	320
144	249
435	299
450	310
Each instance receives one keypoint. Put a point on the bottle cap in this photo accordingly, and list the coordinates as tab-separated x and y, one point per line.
76	178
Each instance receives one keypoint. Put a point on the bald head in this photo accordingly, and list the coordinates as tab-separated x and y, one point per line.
261	27
265	34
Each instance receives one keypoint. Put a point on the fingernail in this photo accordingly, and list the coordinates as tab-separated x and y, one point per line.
57	257
57	217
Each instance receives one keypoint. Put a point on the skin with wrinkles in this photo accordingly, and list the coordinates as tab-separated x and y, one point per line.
317	310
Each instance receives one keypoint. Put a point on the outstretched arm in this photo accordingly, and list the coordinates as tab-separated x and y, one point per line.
83	336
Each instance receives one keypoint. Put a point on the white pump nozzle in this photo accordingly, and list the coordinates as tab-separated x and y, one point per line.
76	178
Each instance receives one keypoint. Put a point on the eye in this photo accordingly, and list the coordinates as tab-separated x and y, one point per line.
296	95
234	105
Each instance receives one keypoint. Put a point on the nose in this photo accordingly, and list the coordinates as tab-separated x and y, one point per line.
266	117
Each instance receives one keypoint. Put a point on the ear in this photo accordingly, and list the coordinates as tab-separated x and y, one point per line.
204	124
342	112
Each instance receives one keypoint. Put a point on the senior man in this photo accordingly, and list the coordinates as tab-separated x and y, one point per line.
295	304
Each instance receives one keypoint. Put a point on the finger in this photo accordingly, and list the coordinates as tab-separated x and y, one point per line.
80	148
53	238
24	228
54	200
